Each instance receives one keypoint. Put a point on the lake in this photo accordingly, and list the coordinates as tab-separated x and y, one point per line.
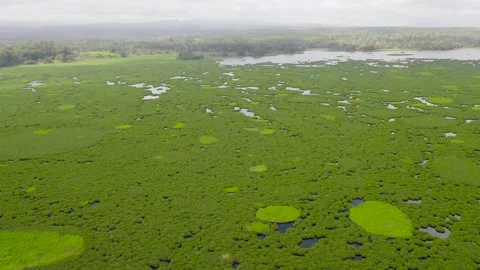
341	56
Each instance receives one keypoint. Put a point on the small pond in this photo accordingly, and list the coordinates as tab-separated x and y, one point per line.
410	201
450	134
246	112
355	245
356	202
95	203
283	227
35	83
434	232
358	258
308	243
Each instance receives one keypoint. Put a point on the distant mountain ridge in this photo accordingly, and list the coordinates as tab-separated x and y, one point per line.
11	31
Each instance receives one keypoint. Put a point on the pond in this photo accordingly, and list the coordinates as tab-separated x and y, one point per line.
424	101
356	202
355	245
95	203
341	56
358	258
283	227
155	91
308	243
450	134
246	112
433	232
35	83
410	201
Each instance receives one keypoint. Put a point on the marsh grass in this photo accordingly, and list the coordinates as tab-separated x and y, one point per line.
163	203
259	168
382	218
46	142
278	214
257	227
207	140
21	250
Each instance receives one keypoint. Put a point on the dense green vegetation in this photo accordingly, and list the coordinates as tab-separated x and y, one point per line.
33	53
243	43
47	141
96	55
189	56
186	181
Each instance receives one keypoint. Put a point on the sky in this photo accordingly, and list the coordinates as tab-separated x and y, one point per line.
437	13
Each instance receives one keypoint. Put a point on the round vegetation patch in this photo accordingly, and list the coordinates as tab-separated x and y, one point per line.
257	227
382	218
42	131
268	131
66	107
259	168
328	117
123	127
429	121
440	100
425	73
231	189
21	250
32	144
206	140
297	159
450	87
278	214
179	126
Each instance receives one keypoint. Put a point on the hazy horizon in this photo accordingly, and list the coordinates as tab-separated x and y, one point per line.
427	13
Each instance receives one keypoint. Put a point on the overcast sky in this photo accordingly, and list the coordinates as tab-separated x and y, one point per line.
332	12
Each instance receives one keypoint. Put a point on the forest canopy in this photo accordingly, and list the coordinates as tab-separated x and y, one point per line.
244	43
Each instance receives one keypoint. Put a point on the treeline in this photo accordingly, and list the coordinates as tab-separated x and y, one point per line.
189	56
33	53
367	39
251	43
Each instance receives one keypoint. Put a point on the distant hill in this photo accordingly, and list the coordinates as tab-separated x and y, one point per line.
9	31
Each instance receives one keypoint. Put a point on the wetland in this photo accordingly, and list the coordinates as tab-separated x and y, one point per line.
345	162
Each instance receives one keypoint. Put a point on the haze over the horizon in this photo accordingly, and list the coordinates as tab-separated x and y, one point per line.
435	13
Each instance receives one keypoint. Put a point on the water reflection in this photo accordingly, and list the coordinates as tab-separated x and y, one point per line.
356	202
433	232
450	134
409	201
358	258
308	243
323	55
355	245
95	203
246	112
283	227
35	83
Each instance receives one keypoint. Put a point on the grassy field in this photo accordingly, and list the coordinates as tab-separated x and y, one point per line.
197	175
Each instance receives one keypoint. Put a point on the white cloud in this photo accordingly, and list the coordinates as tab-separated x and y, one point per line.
336	12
